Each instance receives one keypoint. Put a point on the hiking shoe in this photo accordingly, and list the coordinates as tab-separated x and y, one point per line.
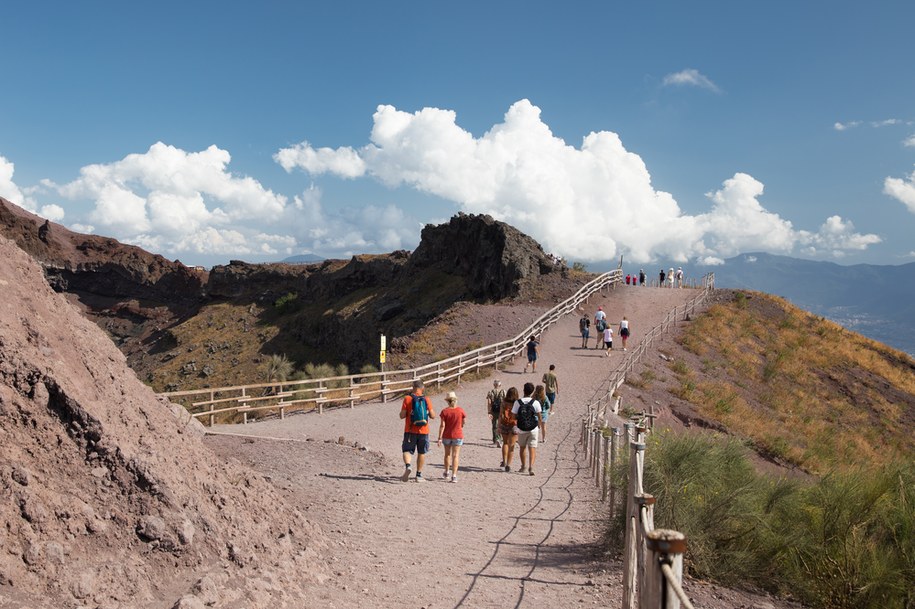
406	475
501	463
531	472
508	468
522	470
454	478
445	473
420	479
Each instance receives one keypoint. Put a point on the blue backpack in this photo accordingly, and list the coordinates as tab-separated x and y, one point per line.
420	413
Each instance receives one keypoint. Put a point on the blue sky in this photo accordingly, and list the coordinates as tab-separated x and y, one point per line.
659	131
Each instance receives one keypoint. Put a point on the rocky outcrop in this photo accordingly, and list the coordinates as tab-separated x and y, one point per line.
330	311
323	280
112	500
96	267
497	260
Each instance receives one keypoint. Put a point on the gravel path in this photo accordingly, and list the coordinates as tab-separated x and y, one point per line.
493	539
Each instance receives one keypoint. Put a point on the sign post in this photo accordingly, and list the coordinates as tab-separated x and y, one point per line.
382	354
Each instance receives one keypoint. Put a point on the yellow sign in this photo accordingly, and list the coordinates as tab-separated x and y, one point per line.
381	357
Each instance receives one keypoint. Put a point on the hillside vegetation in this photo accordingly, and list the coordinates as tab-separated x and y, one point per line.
803	390
834	524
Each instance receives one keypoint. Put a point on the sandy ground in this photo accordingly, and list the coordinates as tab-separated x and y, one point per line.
493	539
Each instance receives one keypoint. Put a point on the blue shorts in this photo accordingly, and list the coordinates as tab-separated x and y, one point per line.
418	442
544	415
585	333
453	441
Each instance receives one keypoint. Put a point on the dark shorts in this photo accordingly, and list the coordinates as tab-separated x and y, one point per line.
624	332
608	344
551	397
532	356
418	442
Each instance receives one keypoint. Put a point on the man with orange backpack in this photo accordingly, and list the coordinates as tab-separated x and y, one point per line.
416	412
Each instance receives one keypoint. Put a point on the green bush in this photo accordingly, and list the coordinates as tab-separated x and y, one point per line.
846	540
287	303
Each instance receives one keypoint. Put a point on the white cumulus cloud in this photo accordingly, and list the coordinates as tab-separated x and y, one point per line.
691	78
23	197
168	199
909	141
588	203
902	189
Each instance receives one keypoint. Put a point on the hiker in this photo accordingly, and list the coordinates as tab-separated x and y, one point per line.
493	405
551	384
641	276
546	409
451	434
507	427
679	276
532	349
624	331
670	277
416	411
600	323
608	339
661	276
43	230
584	326
528	421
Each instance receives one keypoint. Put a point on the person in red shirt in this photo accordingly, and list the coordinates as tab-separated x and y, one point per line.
451	434
415	437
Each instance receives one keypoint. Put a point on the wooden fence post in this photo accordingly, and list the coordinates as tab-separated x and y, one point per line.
630	556
665	547
645	504
614	457
605	470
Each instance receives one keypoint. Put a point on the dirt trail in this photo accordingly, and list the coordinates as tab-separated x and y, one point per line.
493	539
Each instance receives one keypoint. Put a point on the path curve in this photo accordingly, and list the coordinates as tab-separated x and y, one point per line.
493	539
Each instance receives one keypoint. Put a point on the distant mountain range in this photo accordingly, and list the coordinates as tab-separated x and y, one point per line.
302	259
877	301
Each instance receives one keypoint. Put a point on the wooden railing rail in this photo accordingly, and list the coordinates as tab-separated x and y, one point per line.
653	558
309	394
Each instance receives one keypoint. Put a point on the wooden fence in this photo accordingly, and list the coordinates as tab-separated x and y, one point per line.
284	397
653	558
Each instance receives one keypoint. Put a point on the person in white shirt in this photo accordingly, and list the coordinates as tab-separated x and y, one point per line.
608	339
624	331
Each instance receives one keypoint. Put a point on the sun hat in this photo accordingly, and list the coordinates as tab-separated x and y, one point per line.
451	397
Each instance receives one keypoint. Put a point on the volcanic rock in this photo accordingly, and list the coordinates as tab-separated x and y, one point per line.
163	512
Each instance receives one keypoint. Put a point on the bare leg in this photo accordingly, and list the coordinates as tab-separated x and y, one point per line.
420	461
508	449
533	452
523	454
455	458
448	457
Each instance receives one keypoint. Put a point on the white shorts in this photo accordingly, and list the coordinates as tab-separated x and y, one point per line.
529	438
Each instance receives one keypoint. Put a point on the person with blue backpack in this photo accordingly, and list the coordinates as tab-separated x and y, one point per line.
416	412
